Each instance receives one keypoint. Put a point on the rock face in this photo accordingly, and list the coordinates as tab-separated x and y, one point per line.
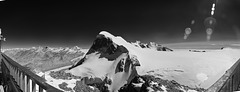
44	58
107	62
149	83
151	45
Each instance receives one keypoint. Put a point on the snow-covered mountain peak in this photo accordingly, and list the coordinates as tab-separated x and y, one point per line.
111	58
116	39
132	46
76	48
106	34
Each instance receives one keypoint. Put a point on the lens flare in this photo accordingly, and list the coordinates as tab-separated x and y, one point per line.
209	32
192	22
213	5
213	9
187	33
212	13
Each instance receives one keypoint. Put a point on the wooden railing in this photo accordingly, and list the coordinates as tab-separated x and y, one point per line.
20	79
229	82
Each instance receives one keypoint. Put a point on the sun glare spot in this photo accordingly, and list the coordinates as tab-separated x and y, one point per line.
212	12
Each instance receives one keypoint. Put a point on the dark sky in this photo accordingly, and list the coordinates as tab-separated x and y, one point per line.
60	24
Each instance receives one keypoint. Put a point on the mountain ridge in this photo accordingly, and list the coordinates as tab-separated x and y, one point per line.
44	58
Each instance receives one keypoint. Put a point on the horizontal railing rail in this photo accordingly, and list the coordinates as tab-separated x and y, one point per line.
25	79
229	82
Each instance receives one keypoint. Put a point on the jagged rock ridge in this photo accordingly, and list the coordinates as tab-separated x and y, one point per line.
151	45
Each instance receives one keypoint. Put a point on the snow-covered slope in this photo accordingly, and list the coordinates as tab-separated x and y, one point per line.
113	59
45	58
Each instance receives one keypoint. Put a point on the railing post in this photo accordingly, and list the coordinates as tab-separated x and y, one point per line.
25	83
33	86
22	81
37	88
18	77
15	74
40	89
12	70
233	82
29	85
230	84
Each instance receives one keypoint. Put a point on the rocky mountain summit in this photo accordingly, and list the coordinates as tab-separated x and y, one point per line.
111	65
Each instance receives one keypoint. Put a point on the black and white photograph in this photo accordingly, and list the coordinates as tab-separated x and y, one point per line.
120	46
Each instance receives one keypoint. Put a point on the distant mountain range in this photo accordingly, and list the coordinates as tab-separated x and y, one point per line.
45	58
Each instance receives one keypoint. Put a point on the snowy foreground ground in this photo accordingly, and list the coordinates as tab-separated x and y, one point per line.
195	68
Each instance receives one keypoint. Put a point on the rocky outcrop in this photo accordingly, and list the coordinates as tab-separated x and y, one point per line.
121	68
151	45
